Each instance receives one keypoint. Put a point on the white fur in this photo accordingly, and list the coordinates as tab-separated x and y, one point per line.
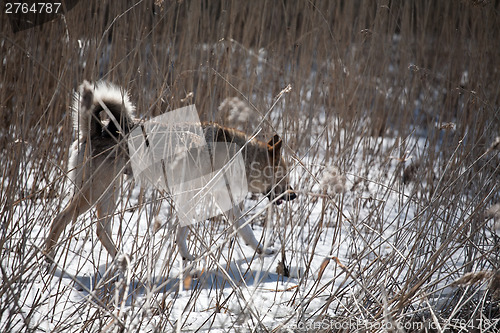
103	93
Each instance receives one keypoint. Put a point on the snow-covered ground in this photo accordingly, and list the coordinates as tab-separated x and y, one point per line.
355	235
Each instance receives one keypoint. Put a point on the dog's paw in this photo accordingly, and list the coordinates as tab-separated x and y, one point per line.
49	263
187	257
269	251
48	257
266	252
123	262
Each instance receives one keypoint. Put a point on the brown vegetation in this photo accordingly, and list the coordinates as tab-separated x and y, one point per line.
366	77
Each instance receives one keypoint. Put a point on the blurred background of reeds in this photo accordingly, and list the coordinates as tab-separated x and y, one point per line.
358	70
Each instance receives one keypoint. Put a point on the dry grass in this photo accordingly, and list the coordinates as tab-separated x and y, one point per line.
400	98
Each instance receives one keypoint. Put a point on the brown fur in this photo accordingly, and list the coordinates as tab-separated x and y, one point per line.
258	156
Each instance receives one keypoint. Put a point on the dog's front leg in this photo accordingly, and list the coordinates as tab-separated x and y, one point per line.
245	231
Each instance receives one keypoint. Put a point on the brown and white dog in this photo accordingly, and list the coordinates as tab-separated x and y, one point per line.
100	156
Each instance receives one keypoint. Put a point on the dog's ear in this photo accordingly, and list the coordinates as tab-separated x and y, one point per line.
274	145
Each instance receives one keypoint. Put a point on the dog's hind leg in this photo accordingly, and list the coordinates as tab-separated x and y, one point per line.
105	210
245	231
77	206
181	242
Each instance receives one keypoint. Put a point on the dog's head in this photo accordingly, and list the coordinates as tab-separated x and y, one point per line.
269	173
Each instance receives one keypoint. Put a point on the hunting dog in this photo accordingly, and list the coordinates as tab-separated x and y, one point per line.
100	156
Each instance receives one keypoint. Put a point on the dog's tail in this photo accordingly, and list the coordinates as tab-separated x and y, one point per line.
88	103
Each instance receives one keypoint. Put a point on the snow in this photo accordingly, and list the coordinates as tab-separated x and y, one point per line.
228	288
247	290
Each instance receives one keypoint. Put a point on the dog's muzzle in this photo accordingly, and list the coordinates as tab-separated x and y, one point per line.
288	195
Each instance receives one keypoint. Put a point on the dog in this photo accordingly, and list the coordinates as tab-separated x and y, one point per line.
100	157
